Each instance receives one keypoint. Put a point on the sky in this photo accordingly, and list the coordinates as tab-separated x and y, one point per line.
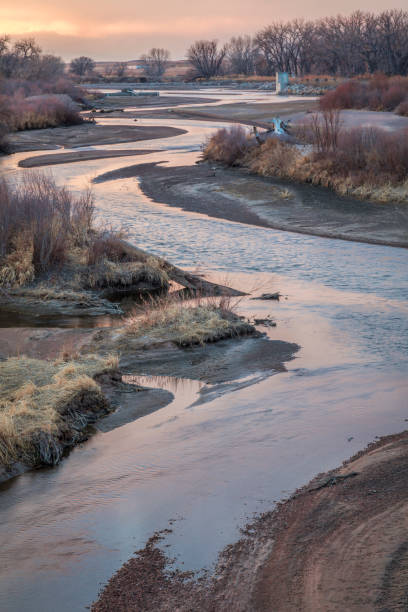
123	30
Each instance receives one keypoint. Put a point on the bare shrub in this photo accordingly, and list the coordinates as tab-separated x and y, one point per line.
377	93
228	145
4	145
365	163
39	223
374	154
402	109
325	128
38	111
106	245
393	97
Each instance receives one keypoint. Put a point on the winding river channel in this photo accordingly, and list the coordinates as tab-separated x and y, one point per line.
212	458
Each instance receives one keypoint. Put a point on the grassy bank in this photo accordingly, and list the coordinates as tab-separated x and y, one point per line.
364	163
46	405
185	322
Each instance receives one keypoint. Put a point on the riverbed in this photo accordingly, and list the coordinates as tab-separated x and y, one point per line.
217	454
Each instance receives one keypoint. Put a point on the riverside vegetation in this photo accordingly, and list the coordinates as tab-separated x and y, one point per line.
51	255
45	406
35	92
365	163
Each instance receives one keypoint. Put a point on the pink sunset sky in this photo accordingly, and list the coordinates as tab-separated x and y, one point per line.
123	30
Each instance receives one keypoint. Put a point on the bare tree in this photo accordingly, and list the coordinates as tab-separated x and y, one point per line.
120	69
48	68
20	60
4	42
287	46
155	62
27	48
241	55
82	65
351	45
393	29
206	58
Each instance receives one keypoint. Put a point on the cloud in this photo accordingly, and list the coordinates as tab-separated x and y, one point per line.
122	30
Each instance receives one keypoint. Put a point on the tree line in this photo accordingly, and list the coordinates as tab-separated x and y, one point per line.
360	43
343	45
24	60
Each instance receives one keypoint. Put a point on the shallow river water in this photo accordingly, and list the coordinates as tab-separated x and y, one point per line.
209	460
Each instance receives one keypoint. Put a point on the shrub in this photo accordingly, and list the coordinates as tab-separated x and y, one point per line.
374	154
402	109
346	95
39	222
106	245
38	111
377	93
4	147
228	145
274	157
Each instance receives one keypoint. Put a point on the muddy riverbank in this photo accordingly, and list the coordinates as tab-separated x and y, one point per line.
236	195
85	135
338	543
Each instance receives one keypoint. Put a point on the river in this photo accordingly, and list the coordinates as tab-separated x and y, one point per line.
209	461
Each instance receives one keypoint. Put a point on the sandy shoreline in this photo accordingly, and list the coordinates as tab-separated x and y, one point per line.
337	544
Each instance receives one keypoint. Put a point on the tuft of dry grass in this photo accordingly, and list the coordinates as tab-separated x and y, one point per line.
45	405
186	322
125	274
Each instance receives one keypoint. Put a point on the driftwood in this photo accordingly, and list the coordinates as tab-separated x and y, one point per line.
279	128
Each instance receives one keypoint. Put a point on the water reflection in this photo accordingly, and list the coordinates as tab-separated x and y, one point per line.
181	387
214	462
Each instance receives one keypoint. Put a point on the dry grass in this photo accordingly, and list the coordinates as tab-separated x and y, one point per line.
186	322
44	405
113	273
